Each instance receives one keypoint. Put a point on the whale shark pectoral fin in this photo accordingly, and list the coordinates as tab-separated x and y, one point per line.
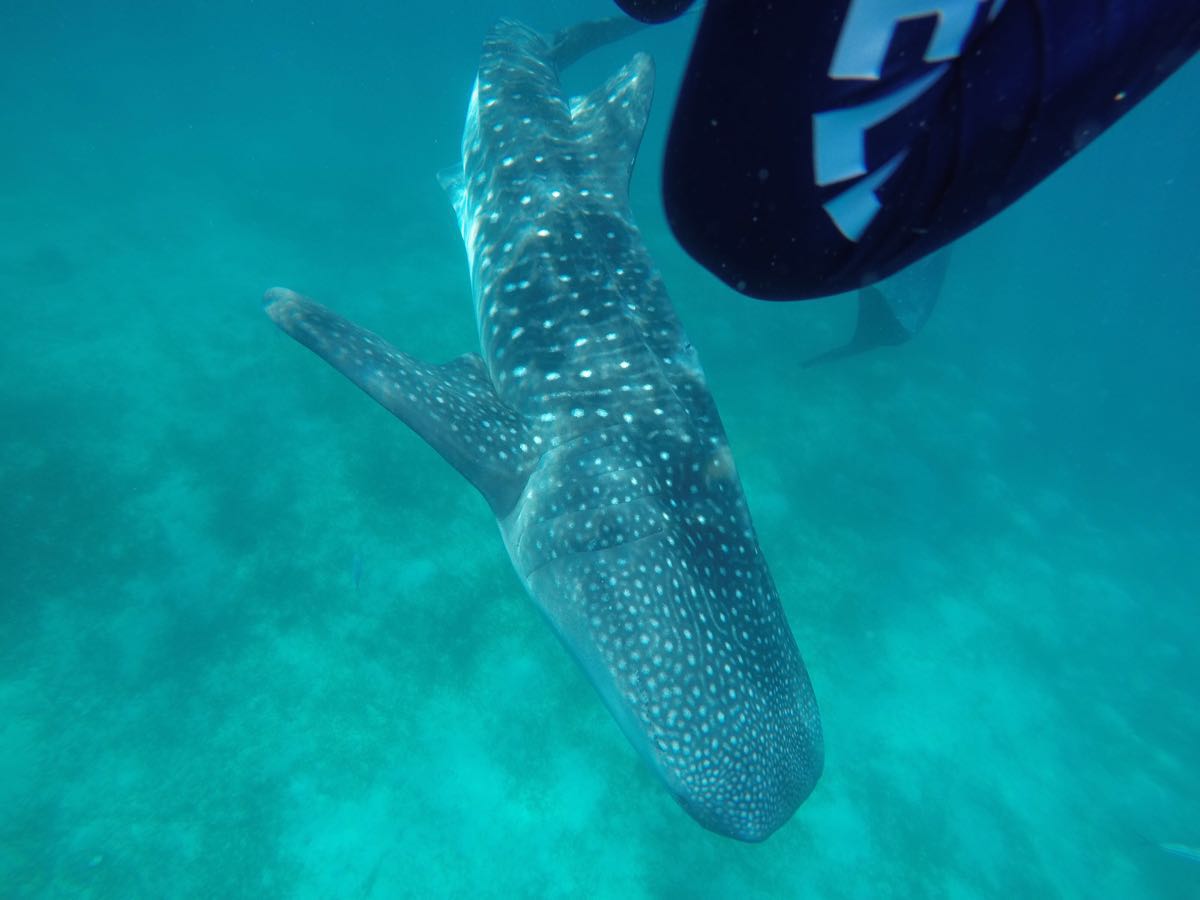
454	407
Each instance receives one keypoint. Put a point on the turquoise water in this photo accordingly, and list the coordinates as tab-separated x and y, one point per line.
258	640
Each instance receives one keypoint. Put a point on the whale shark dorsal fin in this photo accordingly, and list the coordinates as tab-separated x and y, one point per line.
613	117
454	407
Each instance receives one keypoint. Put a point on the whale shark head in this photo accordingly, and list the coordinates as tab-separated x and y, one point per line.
652	577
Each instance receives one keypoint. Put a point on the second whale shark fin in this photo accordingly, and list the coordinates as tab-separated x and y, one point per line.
454	407
613	117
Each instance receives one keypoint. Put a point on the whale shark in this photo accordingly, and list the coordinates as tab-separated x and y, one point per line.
586	423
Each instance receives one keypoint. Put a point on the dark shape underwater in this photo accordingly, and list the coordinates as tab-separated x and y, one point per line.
893	311
654	11
820	147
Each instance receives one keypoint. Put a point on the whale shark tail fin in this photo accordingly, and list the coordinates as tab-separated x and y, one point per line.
573	43
453	407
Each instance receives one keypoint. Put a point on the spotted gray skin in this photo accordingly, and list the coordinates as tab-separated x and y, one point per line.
588	427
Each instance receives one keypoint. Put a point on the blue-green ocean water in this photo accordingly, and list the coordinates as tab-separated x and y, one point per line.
257	640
